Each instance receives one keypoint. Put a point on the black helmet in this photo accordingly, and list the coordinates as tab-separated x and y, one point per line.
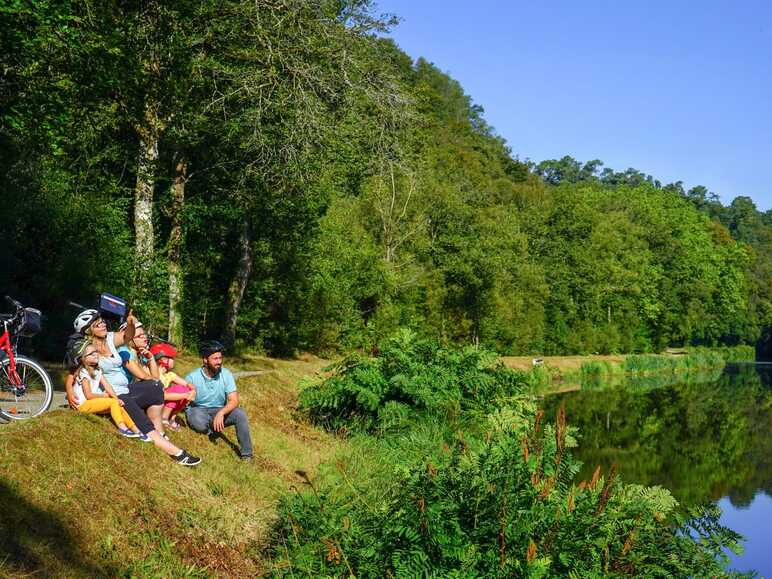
208	347
76	344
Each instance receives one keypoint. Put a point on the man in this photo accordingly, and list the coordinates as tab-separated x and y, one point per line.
217	402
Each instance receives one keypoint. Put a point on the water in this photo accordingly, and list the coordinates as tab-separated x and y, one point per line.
707	439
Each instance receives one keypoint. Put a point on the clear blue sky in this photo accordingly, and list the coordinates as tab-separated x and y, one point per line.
679	90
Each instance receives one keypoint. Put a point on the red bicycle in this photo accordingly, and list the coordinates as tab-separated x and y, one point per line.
26	389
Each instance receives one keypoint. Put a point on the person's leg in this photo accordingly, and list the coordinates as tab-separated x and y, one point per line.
154	414
149	395
199	419
238	418
136	413
102	406
127	420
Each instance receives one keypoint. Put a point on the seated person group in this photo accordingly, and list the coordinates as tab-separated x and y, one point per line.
117	373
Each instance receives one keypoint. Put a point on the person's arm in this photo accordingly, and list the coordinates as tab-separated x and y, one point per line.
124	337
109	392
86	385
218	423
182	382
68	382
137	371
151	364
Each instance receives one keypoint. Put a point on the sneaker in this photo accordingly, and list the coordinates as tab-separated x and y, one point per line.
174	425
128	433
186	459
247	458
144	437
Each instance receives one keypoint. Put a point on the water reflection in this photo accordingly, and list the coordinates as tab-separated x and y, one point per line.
706	437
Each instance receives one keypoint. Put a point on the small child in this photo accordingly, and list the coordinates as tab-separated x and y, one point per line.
87	395
177	391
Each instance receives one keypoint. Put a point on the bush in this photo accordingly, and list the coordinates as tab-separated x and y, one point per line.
411	377
439	502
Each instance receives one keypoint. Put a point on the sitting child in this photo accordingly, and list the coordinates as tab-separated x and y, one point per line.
177	391
92	393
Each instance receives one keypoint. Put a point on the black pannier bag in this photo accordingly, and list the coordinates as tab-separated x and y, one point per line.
30	324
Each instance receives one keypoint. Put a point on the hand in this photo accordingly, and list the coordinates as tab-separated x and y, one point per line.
130	317
120	402
190	396
218	424
71	401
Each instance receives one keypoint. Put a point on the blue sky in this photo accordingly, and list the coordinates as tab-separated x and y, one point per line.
679	90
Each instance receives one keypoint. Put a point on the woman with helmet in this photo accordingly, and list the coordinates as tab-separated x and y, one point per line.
177	391
144	395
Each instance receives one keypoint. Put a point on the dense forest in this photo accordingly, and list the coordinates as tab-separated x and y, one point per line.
280	174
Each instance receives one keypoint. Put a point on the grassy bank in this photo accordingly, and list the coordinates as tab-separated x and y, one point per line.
555	373
77	500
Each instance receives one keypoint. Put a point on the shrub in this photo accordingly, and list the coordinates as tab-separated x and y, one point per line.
443	503
411	377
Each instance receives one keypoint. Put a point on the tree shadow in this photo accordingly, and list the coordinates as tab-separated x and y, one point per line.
37	542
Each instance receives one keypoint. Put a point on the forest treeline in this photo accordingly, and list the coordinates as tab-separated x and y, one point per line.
280	174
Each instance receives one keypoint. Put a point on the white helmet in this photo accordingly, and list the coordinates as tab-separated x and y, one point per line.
85	319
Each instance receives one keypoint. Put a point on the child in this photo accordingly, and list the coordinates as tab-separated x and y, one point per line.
177	391
87	397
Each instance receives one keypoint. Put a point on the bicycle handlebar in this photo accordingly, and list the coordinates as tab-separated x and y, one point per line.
15	304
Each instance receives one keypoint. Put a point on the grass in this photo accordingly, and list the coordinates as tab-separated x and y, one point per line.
78	500
559	373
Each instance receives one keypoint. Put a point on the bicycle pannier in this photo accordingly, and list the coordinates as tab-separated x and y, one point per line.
30	324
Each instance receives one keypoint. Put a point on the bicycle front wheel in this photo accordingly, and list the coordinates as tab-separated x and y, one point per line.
28	396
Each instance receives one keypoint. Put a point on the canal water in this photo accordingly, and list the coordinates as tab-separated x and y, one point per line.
706	437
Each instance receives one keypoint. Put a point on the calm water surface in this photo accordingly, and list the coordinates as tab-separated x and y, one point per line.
708	439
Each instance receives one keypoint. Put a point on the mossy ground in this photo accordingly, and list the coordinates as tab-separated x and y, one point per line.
78	500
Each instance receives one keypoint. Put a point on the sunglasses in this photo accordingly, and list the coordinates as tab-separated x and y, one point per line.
87	354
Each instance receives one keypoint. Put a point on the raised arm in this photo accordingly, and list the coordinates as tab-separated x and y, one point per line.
126	335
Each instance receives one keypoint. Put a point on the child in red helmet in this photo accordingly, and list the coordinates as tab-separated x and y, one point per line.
177	391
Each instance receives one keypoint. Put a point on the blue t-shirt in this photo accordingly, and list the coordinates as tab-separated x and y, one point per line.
127	355
211	392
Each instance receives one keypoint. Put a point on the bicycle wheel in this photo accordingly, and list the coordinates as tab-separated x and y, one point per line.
31	397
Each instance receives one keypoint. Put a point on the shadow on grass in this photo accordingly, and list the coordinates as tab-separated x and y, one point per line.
37	542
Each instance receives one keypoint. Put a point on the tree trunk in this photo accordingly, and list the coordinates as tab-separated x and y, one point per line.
176	238
239	283
144	236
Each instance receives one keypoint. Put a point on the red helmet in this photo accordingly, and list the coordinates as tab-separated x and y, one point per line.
163	350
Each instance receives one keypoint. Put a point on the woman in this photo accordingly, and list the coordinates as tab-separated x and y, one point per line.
146	394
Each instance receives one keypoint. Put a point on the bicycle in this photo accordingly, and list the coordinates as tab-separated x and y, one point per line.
26	389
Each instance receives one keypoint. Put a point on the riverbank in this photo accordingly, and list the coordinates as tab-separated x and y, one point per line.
560	373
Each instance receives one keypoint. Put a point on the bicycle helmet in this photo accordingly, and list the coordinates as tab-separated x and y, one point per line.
209	347
163	350
85	319
76	344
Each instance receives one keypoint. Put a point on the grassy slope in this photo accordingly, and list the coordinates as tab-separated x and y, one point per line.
78	500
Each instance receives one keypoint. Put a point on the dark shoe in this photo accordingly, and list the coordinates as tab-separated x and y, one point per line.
246	458
186	459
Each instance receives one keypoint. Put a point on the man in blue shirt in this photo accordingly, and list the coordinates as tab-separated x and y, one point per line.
217	401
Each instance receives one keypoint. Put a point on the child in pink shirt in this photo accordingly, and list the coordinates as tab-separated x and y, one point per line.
177	391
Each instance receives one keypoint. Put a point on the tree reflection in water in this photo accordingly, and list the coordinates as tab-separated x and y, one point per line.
703	437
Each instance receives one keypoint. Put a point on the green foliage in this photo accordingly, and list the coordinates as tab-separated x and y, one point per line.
484	491
439	502
375	194
411	377
696	359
